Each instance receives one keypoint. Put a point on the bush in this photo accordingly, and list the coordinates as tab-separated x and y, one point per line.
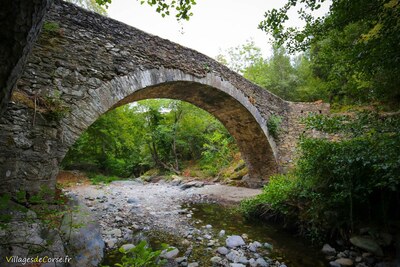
273	124
141	256
275	196
339	185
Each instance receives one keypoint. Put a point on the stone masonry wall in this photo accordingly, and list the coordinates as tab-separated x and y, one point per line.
20	22
84	64
293	128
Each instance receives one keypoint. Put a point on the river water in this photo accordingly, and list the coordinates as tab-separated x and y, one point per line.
293	251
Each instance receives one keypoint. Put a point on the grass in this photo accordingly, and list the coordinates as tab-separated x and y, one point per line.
96	179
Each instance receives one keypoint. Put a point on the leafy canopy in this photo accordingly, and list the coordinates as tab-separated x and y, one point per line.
354	47
181	8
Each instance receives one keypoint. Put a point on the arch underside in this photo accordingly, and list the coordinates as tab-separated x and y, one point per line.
238	120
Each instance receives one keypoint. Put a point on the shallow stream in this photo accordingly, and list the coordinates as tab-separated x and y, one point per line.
293	251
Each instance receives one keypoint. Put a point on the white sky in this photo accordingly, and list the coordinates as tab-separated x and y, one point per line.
216	24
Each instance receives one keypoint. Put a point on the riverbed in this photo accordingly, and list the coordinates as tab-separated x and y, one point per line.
191	217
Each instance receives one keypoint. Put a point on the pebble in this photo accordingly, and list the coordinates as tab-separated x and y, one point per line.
207	237
243	260
234	241
344	262
127	247
334	264
222	250
261	262
268	246
233	255
115	232
221	233
181	259
216	259
170	254
328	250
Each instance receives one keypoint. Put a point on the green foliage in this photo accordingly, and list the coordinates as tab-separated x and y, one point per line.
96	179
290	78
50	26
182	8
161	134
273	125
54	107
241	57
141	256
91	5
353	49
275	195
217	151
5	218
340	185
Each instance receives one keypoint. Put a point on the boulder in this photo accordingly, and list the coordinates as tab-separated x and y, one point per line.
367	243
82	236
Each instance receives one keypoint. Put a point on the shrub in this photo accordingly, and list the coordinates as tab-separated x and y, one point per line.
141	256
273	125
339	185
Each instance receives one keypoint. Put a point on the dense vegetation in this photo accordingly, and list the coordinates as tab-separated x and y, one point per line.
339	186
166	135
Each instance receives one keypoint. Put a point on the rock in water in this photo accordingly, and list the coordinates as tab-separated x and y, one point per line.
367	243
234	241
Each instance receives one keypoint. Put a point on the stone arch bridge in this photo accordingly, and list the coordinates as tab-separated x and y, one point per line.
84	64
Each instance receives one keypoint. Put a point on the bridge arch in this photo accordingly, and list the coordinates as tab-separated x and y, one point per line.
211	93
91	64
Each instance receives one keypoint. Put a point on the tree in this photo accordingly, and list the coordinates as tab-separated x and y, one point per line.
241	57
181	8
91	5
360	37
161	134
288	77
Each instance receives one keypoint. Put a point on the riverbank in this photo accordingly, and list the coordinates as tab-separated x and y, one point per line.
173	212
